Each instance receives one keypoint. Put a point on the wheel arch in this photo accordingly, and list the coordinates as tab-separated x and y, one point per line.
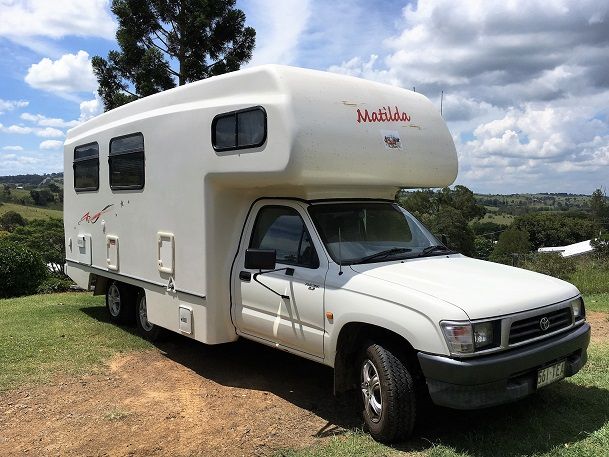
350	340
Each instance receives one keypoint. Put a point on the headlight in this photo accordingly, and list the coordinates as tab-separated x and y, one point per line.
459	337
579	311
483	334
465	338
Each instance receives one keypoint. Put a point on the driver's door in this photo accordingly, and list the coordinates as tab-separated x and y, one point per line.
297	322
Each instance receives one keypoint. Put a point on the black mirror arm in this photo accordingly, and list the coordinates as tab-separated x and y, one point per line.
288	271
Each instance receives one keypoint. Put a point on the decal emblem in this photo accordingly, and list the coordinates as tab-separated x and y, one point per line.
392	139
544	323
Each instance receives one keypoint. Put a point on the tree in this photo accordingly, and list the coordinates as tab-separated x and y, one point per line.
10	220
446	212
169	42
599	206
512	241
450	222
54	188
551	229
41	197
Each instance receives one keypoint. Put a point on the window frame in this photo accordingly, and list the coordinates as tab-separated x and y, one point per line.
123	153
83	160
314	265
236	114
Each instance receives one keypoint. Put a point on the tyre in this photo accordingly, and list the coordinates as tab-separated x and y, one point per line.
388	394
146	329
120	302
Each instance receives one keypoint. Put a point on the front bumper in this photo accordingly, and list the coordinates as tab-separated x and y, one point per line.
491	380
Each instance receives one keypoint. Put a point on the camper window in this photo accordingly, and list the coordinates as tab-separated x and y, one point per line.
239	129
126	162
86	167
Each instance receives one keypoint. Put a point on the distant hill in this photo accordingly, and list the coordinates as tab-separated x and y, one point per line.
30	180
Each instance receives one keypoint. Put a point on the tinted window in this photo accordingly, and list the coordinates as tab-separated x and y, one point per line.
250	128
86	167
126	162
239	129
225	132
282	229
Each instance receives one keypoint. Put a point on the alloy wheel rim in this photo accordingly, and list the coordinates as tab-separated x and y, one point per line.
114	300
143	313
371	391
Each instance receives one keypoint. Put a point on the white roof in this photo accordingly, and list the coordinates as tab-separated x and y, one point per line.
570	250
324	130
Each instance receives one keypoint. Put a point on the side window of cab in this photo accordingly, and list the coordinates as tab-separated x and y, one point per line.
281	228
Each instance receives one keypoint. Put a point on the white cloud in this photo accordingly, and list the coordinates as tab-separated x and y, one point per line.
278	28
19	129
9	105
71	73
51	144
24	19
49	132
48	121
526	86
12	148
90	108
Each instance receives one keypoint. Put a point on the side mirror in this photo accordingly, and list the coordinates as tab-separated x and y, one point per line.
444	239
260	259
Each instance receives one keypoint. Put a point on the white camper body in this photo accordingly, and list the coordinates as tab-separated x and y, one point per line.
173	199
315	147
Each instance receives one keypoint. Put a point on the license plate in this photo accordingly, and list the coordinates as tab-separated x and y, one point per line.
550	374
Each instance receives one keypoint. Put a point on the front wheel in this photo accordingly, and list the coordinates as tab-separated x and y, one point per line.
147	329
388	394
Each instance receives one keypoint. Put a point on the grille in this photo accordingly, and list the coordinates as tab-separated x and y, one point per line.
529	328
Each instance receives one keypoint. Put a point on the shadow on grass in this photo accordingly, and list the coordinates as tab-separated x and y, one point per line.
560	414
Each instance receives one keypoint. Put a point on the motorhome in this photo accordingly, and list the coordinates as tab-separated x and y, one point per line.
261	204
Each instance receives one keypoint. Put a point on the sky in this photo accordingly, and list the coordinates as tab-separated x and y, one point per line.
525	82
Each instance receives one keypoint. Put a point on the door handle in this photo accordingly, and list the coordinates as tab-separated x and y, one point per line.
245	276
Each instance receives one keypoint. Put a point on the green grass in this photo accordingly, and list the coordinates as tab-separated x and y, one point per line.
31	212
591	277
597	302
498	218
43	335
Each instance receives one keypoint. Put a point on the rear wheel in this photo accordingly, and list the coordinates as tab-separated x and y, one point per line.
120	302
146	329
388	394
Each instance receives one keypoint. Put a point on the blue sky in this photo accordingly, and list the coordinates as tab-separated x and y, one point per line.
526	82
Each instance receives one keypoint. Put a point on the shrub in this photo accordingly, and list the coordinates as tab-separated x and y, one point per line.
601	246
551	264
10	220
45	237
21	270
53	284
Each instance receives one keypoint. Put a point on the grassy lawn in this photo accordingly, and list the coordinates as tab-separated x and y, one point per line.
42	335
31	212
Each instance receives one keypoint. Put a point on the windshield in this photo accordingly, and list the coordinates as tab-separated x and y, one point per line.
362	232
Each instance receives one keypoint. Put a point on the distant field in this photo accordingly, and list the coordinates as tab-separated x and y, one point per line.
31	212
501	218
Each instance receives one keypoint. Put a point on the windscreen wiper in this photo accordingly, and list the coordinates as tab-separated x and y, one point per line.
383	254
434	248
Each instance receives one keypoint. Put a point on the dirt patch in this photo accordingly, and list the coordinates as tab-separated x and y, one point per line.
184	399
600	326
